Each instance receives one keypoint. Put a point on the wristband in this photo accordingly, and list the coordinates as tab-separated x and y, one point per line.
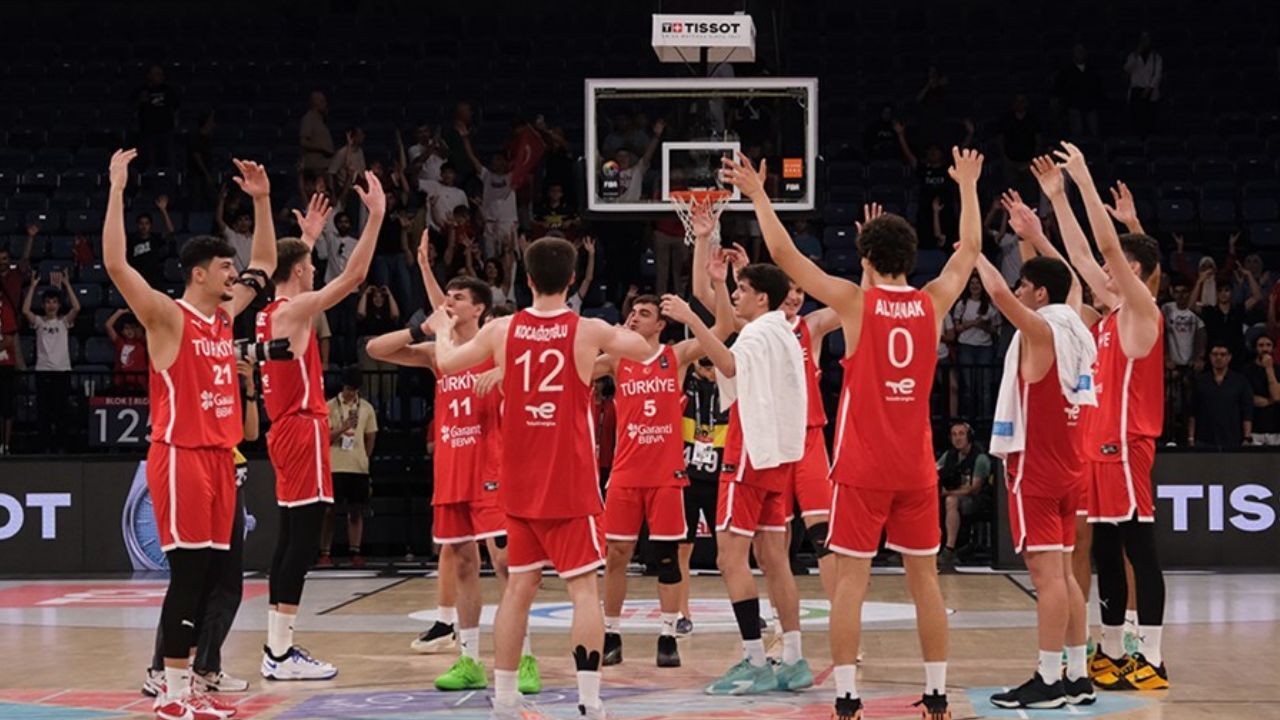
251	398
416	334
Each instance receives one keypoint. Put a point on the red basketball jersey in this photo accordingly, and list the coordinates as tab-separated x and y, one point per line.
883	436
1130	395
462	421
817	414
650	409
195	402
291	387
548	445
737	466
1051	465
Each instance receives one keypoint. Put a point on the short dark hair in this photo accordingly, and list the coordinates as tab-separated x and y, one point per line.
889	244
768	279
550	263
289	252
129	319
1142	249
481	293
649	299
1179	282
200	251
448	166
48	295
242	214
1051	274
501	310
143	216
352	377
1224	346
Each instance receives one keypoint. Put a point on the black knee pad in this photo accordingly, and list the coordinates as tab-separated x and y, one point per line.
584	661
817	535
500	542
667	553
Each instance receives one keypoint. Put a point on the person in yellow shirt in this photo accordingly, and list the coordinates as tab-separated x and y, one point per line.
353	428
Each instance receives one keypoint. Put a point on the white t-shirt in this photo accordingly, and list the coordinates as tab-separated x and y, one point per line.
499	199
631	180
1181	327
966	310
243	245
500	296
52	351
337	250
442	200
430	171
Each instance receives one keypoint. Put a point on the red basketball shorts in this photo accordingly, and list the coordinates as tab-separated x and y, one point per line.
573	546
193	493
454	523
1043	524
811	486
299	450
744	509
909	518
627	508
1120	491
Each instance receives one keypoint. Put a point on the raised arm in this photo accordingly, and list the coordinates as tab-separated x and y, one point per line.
262	257
26	300
154	309
1124	210
841	294
703	226
966	168
901	131
471	153
1026	224
717	273
677	309
219	210
435	294
112	335
589	276
451	357
658	128
403	348
70	317
1049	175
1024	318
315	223
162	206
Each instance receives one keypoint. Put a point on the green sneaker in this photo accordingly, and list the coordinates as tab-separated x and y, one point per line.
796	676
744	679
529	681
466	674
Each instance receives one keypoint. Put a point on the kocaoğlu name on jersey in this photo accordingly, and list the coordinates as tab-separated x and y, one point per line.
546	333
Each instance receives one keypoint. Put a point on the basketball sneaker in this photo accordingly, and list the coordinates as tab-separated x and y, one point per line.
219	682
684	627
519	711
203	701
1142	675
745	679
1100	664
592	713
181	709
1079	691
466	674
297	664
796	676
933	707
1034	693
153	685
528	679
437	639
668	651
847	708
612	649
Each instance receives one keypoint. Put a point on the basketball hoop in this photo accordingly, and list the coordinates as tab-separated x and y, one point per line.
685	201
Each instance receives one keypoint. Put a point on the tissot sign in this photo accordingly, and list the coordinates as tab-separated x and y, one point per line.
730	38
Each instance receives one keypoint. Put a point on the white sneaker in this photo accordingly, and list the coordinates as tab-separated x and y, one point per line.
219	682
181	709
438	638
522	710
596	713
296	665
153	686
204	702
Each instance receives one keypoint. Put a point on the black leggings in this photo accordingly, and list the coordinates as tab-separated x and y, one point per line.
1137	540
296	548
190	577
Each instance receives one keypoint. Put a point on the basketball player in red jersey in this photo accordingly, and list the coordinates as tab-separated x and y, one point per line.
293	391
1119	438
549	483
195	416
884	473
1037	435
646	485
468	447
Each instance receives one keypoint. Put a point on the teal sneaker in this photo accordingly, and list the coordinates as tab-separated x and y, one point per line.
466	674
529	681
1131	646
744	679
796	676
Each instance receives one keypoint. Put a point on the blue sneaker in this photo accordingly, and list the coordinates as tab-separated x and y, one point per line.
796	676
744	679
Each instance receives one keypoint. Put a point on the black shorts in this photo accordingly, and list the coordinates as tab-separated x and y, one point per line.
352	488
7	390
700	503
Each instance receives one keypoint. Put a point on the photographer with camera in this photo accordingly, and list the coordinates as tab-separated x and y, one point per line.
963	471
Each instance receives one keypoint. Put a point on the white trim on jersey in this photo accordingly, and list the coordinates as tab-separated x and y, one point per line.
661	349
490	535
917	553
595	536
547	313
306	381
895	288
624	538
835	494
452	541
173	493
1124	436
528	568
1046	548
595	465
843	420
210	319
173	412
315	423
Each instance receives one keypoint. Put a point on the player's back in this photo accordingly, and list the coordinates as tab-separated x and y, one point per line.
195	402
291	387
884	439
650	405
548	463
1130	394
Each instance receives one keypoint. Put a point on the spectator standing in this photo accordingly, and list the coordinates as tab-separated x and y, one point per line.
200	180
334	246
1078	94
443	198
670	255
704	429
974	319
392	256
1019	141
353	430
1224	320
347	165
558	162
8	359
53	356
963	471
932	184
148	250
880	140
498	198
131	352
1266	282
1185	337
1222	414
631	170
462	114
426	157
239	233
555	213
1261	374
1145	68
377	312
157	119
525	152
498	275
315	141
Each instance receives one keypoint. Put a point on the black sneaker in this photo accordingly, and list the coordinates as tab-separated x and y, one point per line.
612	648
847	708
1079	691
438	638
1034	693
668	652
933	707
684	627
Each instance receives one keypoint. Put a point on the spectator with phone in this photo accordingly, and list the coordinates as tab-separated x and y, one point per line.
53	355
353	429
131	353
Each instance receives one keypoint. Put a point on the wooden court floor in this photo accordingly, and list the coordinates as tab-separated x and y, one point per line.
76	649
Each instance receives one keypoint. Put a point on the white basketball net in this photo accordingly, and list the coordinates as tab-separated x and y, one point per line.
685	203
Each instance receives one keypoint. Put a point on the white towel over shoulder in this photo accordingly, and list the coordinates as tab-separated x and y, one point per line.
1075	352
770	387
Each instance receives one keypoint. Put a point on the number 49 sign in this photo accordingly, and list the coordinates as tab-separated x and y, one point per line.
119	421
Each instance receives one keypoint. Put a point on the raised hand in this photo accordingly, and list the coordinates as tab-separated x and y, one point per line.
374	198
33	229
1124	211
742	175
659	127
119	169
589	244
424	250
937	205
1179	241
674	307
318	212
1072	160
1049	175
253	179
1022	219
737	256
966	165
718	265
488	380
870	212
439	323
162	202
703	223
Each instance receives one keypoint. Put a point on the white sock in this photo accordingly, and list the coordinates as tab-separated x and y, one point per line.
504	688
470	640
754	650
846	681
1130	620
1149	643
177	682
1077	656
526	649
1113	641
669	624
935	678
589	688
791	649
447	615
279	633
1050	667
611	624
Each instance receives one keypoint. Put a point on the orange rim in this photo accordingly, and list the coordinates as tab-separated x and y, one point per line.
700	196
